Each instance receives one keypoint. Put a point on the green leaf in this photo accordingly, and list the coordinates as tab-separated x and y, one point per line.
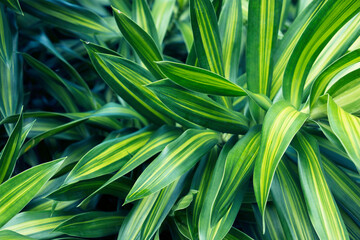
16	192
7	234
6	46
142	16
37	224
263	27
199	108
230	27
345	191
58	129
108	156
66	15
91	224
174	161
124	6
346	128
322	208
142	43
207	38
184	202
82	189
237	171
162	137
161	12
323	26
10	152
323	80
281	123
290	203
13	4
147	215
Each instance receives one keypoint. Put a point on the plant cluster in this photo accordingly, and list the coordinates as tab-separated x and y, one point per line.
180	119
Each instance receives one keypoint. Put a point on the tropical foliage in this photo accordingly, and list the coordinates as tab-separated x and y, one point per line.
180	119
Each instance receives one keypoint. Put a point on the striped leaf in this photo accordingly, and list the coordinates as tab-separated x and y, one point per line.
204	81
13	4
9	154
6	41
322	208
37	224
263	27
162	11
207	40
124	6
142	16
288	43
346	128
108	156
7	234
230	27
345	191
333	13
273	228
290	203
51	132
281	123
237	171
199	108
174	161
91	224
322	81
66	15
162	137
16	192
147	214
142	42
82	189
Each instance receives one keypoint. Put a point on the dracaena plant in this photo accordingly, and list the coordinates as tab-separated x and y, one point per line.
187	119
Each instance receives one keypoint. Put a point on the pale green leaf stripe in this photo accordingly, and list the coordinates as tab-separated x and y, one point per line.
142	16
6	41
175	160
108	156
322	81
238	169
230	27
199	108
281	123
351	226
162	137
346	128
142	43
128	78
323	211
288	43
37	224
16	192
236	234
206	36
7	234
82	189
262	34
199	79
345	191
205	81
9	153
13	4
66	15
323	26
207	41
91	224
162	11
337	46
62	128
290	203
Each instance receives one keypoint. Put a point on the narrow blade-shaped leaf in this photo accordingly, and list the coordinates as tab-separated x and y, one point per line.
16	192
162	11
323	211
174	161
281	123
13	4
